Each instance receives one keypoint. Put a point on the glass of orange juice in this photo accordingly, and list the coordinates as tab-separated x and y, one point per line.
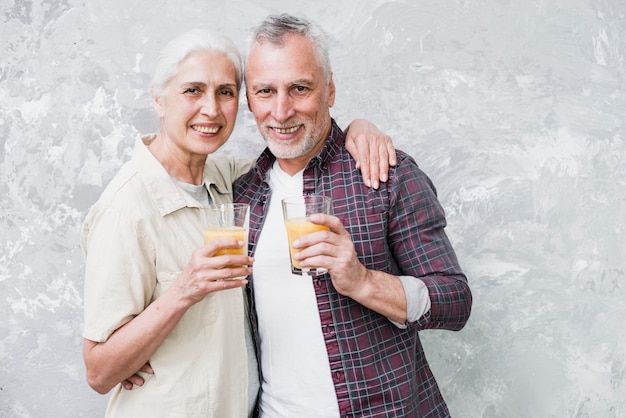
296	212
228	220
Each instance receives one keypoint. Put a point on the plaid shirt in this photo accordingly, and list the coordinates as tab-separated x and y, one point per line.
377	368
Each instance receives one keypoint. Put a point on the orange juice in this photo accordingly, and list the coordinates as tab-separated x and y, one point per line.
237	232
298	227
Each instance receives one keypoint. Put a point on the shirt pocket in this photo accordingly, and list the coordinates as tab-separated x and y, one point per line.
202	313
165	279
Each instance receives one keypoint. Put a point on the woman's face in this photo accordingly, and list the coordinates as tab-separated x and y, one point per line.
199	109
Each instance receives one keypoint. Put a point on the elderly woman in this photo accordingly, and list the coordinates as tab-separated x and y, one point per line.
154	292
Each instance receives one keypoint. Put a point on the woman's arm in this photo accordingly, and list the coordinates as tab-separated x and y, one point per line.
132	345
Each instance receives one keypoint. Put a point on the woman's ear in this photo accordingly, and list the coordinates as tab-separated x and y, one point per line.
157	103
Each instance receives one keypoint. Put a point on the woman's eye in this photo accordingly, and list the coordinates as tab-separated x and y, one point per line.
192	90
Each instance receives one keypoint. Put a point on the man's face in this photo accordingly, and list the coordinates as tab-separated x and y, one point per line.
290	98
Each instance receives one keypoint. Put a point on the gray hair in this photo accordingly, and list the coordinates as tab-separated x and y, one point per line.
195	40
275	27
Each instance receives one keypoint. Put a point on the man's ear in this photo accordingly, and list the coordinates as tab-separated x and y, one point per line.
331	92
248	101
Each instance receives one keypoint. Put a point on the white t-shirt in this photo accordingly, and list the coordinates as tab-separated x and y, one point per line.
296	373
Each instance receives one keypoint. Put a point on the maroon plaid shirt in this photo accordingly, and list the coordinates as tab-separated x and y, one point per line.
378	369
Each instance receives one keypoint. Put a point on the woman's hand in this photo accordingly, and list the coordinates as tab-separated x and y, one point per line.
372	149
207	272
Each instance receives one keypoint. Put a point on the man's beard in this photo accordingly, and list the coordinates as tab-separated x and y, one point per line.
292	148
288	149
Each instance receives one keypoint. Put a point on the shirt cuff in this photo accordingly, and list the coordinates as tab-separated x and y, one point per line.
417	299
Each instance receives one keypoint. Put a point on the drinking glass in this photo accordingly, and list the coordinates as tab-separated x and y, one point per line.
296	212
228	220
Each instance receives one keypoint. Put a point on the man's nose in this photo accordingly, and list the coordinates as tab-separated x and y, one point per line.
283	107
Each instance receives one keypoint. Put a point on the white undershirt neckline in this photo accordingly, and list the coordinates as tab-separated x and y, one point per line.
198	192
296	373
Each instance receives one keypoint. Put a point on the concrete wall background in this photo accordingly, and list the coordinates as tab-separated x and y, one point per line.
515	110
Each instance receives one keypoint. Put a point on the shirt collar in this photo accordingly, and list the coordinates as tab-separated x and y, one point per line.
168	197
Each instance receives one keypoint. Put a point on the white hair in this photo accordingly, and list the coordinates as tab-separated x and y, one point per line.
275	27
195	40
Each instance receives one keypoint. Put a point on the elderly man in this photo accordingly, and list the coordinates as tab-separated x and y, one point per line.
344	343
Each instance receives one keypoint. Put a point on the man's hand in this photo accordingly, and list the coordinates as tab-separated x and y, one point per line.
372	149
136	379
334	250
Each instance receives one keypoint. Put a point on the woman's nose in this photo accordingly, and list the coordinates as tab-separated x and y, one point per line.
210	106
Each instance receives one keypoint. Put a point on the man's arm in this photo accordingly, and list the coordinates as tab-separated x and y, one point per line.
419	246
377	290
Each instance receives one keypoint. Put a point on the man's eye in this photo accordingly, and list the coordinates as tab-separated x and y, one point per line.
300	90
192	90
265	91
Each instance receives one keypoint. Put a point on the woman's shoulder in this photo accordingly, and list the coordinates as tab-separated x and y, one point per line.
123	186
226	168
126	193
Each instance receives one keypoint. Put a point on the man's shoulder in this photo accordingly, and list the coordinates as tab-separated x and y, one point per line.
404	157
407	163
247	181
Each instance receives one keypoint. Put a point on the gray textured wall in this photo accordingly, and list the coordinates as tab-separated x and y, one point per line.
514	108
